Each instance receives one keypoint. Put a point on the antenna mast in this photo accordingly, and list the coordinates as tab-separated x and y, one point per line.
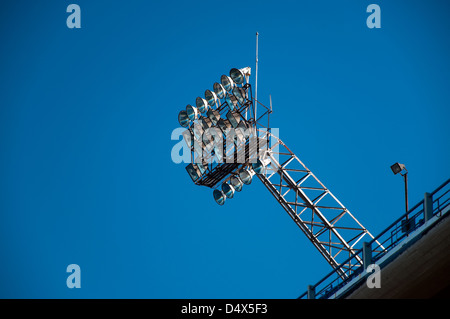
256	77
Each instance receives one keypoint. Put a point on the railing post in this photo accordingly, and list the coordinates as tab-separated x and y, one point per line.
367	255
311	292
428	206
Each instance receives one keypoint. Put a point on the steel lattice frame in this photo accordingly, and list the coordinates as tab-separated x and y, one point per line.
332	229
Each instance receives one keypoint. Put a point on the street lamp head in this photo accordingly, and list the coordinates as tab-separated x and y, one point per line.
397	168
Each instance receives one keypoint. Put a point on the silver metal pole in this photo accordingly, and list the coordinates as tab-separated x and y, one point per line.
256	76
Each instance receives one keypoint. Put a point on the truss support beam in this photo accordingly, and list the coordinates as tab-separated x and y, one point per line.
331	228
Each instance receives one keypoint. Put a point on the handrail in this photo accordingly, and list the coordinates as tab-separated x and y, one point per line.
405	222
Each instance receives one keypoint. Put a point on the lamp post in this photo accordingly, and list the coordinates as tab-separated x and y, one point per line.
399	168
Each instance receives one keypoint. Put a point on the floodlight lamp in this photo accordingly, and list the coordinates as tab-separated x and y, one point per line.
210	97
193	172
213	115
219	196
198	131
227	83
215	135
188	138
241	130
236	182
239	93
183	118
206	122
246	176
219	90
238	75
192	112
260	166
231	101
208	141
397	168
228	190
201	104
224	125
234	118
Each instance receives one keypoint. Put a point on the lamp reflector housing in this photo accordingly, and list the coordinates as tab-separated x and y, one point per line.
219	196
239	93
183	118
231	101
228	190
246	176
241	131
224	125
206	122
192	112
397	168
198	131
238	75
236	182
217	135
201	104
214	136
219	90
193	172
234	118
227	83
208	140
260	166
210	97
213	115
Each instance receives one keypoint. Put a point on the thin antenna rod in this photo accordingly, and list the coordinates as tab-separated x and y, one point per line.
256	76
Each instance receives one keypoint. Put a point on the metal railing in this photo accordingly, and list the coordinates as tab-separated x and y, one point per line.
399	230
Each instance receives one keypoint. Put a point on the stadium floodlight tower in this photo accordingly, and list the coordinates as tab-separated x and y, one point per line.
229	146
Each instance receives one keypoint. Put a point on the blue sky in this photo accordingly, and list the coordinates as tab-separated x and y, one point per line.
86	117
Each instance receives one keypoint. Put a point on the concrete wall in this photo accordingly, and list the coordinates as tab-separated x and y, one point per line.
421	270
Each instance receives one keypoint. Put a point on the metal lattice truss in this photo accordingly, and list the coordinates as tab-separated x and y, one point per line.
332	229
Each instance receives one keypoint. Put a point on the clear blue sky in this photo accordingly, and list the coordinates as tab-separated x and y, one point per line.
86	117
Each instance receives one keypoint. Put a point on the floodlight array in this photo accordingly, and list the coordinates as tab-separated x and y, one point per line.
214	163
